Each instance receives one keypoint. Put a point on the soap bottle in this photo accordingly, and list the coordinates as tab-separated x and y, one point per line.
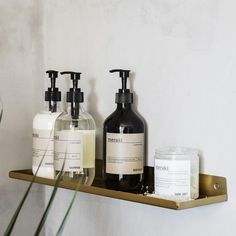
74	138
124	142
43	125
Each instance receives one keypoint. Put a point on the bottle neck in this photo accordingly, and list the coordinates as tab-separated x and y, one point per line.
73	109
52	106
127	106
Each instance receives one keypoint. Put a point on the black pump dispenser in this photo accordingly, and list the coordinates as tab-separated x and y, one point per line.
124	95
52	95
74	96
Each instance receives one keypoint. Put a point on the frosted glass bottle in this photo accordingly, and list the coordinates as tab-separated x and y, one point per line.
74	138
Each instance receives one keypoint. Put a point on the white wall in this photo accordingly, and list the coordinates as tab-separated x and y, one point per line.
183	56
21	83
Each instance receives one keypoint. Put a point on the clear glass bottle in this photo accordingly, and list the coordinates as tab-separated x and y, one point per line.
74	138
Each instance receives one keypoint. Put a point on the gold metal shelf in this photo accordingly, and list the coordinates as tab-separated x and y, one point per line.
212	190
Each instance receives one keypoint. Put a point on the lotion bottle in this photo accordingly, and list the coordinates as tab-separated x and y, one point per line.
123	142
74	138
43	125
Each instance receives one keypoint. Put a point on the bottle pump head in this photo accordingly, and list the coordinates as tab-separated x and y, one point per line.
124	95
74	96
52	95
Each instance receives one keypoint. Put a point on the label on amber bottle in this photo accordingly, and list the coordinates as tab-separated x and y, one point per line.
124	153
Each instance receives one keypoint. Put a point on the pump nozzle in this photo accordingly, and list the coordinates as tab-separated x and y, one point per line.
75	76
124	74
52	95
53	74
74	96
124	95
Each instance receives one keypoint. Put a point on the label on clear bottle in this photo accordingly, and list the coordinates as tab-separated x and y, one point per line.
68	146
173	178
43	147
124	153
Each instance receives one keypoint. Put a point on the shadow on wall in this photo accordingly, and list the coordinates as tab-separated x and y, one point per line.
135	108
93	110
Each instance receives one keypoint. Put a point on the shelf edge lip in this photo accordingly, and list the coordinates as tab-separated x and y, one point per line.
164	203
203	202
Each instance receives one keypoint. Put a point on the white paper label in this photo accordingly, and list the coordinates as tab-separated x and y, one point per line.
68	146
43	147
172	178
124	153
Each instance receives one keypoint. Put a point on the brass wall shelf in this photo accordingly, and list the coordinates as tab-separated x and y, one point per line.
212	190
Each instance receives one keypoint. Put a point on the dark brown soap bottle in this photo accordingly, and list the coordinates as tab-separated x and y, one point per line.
123	143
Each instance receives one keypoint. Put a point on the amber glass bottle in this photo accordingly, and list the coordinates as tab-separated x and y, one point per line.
123	143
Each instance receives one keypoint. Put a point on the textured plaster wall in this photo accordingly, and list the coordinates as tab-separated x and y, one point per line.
21	70
183	56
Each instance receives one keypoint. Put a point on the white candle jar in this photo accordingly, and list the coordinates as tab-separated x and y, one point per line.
177	173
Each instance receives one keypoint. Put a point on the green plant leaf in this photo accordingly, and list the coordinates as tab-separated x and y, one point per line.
1	112
12	222
17	212
53	194
62	225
